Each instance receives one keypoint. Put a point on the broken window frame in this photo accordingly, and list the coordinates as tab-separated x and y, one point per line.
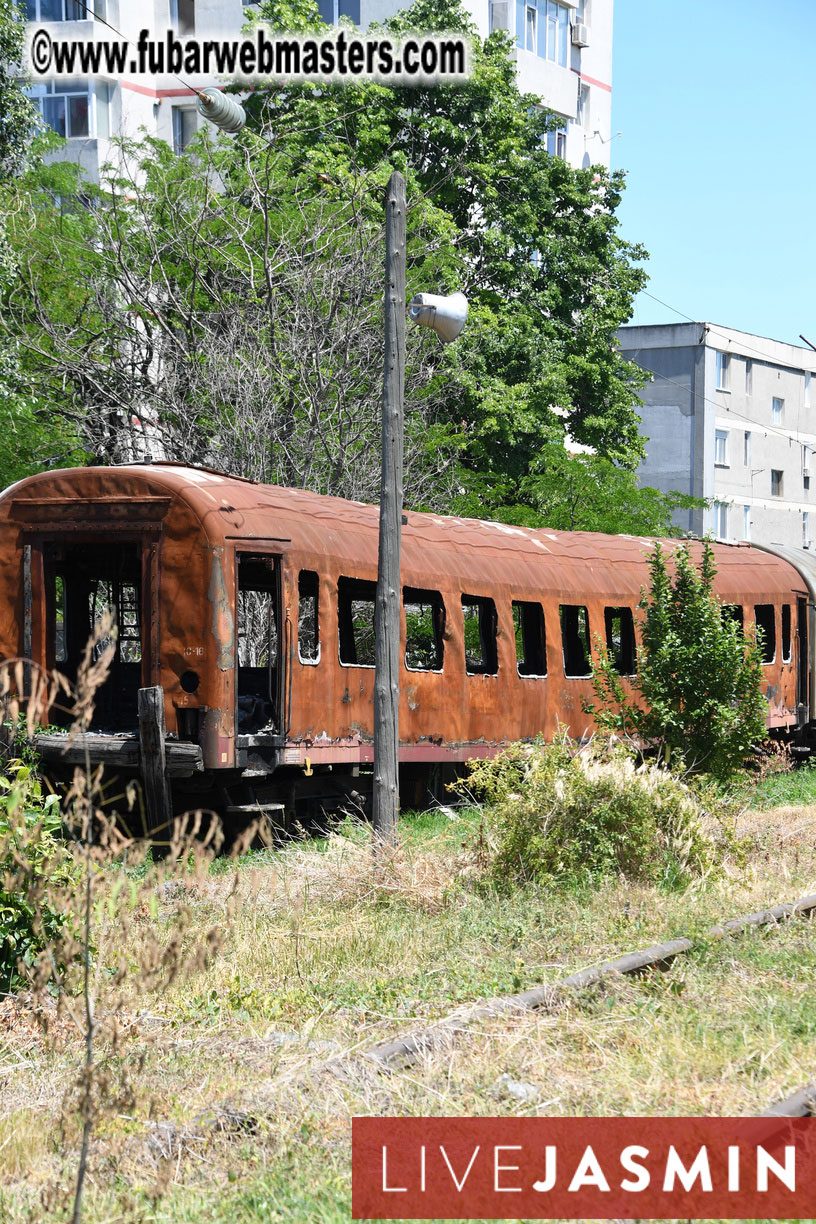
420	597
582	634
768	649
488	625
624	661
530	633
787	633
351	591
309	578
266	580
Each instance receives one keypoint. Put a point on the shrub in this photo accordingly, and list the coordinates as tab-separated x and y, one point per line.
34	866
697	697
564	813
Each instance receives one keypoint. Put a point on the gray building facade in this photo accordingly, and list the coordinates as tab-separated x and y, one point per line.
730	417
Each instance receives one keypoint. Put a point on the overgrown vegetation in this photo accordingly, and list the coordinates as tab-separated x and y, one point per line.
563	814
36	869
230	1089
696	701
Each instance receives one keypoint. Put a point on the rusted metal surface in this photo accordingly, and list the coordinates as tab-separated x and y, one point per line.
189	600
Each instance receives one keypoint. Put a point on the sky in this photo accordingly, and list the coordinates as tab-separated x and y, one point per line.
715	101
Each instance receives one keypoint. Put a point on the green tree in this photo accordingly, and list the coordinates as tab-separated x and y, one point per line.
697	694
534	242
575	493
18	116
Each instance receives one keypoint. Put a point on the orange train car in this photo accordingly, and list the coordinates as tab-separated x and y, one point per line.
252	609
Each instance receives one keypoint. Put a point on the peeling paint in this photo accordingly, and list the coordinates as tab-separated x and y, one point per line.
222	623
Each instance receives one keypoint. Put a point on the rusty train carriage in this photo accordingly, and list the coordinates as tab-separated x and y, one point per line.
252	608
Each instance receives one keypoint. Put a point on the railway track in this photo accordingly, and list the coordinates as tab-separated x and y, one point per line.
388	1055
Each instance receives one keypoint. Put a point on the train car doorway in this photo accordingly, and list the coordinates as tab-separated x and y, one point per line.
83	580
259	642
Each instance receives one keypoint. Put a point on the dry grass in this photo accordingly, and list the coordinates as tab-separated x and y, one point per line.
242	1078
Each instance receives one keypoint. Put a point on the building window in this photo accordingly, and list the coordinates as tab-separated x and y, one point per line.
557	143
749	376
530	27
722	371
805	529
746	448
776	483
182	16
777	410
721	448
65	106
185	125
721	520
807	388
64	10
582	108
498	15
746	522
557	32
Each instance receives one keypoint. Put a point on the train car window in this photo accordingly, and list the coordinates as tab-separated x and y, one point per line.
355	621
766	624
786	633
257	612
60	644
531	638
481	623
733	612
308	627
620	640
424	629
575	640
121	600
258	641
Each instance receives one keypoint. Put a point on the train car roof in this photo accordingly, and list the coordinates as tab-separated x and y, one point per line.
479	553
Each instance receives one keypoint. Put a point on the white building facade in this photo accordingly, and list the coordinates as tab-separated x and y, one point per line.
730	417
563	54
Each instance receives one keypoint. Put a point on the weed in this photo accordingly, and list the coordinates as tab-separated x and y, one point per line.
567	814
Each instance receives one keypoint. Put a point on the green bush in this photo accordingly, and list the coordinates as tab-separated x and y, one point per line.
563	813
35	868
697	697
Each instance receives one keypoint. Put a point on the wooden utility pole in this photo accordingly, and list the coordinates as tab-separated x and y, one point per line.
387	620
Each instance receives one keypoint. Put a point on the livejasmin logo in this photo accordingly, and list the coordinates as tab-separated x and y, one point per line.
578	1168
590	1173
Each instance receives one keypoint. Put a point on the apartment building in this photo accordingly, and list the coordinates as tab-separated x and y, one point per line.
730	417
563	53
89	113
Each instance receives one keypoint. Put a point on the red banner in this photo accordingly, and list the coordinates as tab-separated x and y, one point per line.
581	1168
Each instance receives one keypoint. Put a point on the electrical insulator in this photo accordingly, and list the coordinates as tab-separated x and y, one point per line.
221	109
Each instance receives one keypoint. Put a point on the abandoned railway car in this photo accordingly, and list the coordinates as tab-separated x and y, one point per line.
251	609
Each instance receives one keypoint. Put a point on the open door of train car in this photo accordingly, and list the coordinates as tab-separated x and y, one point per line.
84	581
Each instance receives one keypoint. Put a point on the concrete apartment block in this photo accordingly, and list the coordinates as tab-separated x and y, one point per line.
563	54
730	417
